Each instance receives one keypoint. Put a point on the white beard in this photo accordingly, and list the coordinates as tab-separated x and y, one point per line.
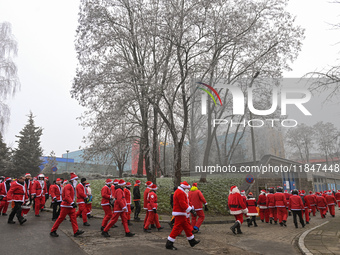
74	183
235	190
41	183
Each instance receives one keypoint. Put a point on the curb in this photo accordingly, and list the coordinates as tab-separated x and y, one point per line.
301	242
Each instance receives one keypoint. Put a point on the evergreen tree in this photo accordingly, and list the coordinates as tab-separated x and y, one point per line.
26	157
5	158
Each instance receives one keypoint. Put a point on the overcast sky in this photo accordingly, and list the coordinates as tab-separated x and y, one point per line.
46	61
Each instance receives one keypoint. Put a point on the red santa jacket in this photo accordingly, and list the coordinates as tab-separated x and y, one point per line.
106	195
270	200
311	200
120	202
305	202
196	198
17	193
127	194
181	203
4	190
295	203
28	187
330	199
236	204
81	193
262	201
145	196
68	196
337	196
39	190
287	196
251	205
321	202
152	198
55	192
280	200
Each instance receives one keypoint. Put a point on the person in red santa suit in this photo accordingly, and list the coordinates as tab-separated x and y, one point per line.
107	202
17	194
128	199
296	206
152	209
237	208
337	198
305	212
312	202
181	210
331	202
252	212
39	189
4	188
321	204
120	209
145	202
287	196
281	205
197	200
271	206
82	199
56	196
262	204
68	207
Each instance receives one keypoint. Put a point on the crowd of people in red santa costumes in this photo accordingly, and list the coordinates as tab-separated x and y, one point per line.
186	201
275	207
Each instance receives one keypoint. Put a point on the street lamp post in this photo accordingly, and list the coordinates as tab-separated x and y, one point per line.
66	159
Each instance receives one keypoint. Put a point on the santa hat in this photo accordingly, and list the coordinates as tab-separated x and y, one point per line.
121	182
263	191
27	175
87	184
58	180
234	189
250	194
339	190
185	185
115	181
138	182
46	178
108	181
128	184
65	182
148	183
73	176
243	192
2	177
154	187
286	191
8	179
194	184
41	176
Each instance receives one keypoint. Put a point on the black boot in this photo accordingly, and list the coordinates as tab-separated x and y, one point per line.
275	222
271	221
233	228
54	234
284	223
296	225
239	229
289	213
129	234
281	224
105	234
170	245
255	224
193	242
153	226
22	221
248	222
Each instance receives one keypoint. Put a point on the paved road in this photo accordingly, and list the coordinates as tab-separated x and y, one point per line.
33	237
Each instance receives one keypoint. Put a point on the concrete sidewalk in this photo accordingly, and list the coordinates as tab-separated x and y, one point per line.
326	238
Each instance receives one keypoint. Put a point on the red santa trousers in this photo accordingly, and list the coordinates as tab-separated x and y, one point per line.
200	219
39	204
128	214
239	217
264	214
281	213
89	208
305	213
273	213
3	206
83	211
107	216
181	223
153	217
313	207
146	218
114	219
339	203
331	209
64	211
322	212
